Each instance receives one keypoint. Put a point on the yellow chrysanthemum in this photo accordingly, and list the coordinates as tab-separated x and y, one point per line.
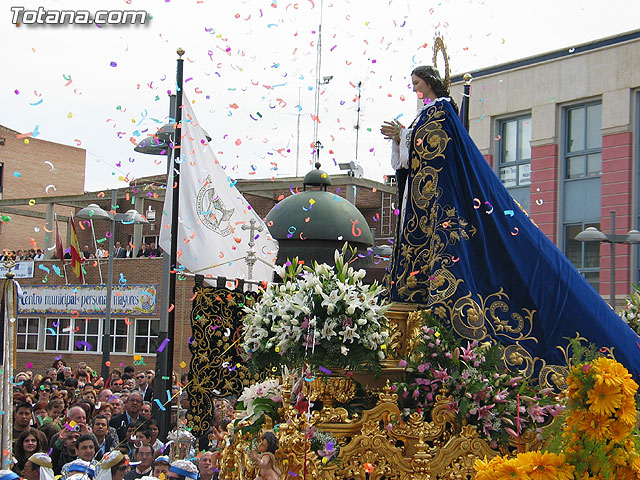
618	456
566	472
595	426
635	465
627	411
511	469
625	473
629	387
604	399
619	430
542	466
484	470
609	370
575	417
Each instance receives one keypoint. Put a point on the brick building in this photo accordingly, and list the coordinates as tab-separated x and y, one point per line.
32	168
561	131
50	325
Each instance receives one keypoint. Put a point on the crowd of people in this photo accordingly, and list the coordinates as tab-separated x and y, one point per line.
145	251
19	255
68	422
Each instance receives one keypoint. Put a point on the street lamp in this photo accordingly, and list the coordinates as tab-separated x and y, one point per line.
592	234
95	212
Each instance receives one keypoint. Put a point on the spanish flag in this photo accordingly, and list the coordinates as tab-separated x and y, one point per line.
76	258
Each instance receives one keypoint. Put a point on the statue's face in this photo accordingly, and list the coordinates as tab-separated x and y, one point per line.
263	446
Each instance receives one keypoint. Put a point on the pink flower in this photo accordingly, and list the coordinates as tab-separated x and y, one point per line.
501	396
484	412
467	353
441	375
488	427
513	382
510	431
402	363
537	413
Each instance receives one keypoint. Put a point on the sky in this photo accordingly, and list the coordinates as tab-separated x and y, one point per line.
250	73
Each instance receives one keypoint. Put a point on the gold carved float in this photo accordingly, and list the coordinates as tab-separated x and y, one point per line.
415	449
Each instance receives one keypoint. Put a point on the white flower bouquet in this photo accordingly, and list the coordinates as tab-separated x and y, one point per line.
320	315
259	400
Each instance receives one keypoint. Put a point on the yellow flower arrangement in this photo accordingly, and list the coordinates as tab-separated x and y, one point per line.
525	466
597	442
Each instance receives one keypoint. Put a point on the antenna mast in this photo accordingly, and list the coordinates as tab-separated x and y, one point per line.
357	125
316	145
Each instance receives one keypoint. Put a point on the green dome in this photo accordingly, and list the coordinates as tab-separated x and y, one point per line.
317	178
318	215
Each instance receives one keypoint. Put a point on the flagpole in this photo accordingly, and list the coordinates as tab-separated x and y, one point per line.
9	318
165	424
60	248
95	246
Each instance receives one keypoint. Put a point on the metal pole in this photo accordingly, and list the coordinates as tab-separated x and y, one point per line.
165	423
163	373
466	99
95	247
7	348
357	125
613	260
106	334
298	140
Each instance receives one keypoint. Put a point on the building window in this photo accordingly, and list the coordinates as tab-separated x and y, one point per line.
585	256
514	164
57	334
85	335
584	141
146	339
119	335
27	334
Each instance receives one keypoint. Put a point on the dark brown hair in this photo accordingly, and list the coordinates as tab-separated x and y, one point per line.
432	78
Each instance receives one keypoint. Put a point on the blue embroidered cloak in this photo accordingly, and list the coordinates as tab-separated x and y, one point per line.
466	251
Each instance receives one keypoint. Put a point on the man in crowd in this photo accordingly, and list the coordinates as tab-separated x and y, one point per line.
205	466
63	449
21	419
104	396
153	251
132	412
161	467
133	438
119	251
100	427
85	450
144	455
38	467
143	386
86	253
145	411
143	251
